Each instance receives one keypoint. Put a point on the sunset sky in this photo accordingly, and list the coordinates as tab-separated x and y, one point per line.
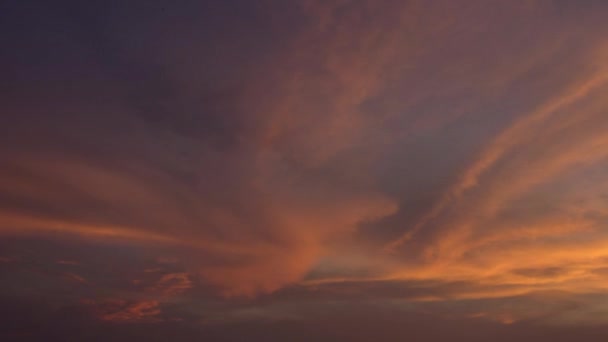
304	170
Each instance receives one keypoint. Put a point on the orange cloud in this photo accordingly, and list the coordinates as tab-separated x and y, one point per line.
172	284
121	311
492	112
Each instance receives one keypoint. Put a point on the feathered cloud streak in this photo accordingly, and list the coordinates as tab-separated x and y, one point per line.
405	150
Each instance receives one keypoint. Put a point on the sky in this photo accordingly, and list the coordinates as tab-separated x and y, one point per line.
304	170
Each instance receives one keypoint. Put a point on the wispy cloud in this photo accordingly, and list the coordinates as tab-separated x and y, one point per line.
429	156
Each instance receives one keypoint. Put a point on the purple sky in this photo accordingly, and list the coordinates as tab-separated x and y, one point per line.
306	170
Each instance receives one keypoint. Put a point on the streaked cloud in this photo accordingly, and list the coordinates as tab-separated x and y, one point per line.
435	159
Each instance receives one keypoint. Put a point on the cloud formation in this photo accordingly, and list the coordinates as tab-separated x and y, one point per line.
242	162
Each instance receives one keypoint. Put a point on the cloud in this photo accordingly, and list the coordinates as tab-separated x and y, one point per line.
259	214
173	284
120	311
432	157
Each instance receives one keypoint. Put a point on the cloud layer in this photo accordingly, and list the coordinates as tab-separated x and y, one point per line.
267	162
